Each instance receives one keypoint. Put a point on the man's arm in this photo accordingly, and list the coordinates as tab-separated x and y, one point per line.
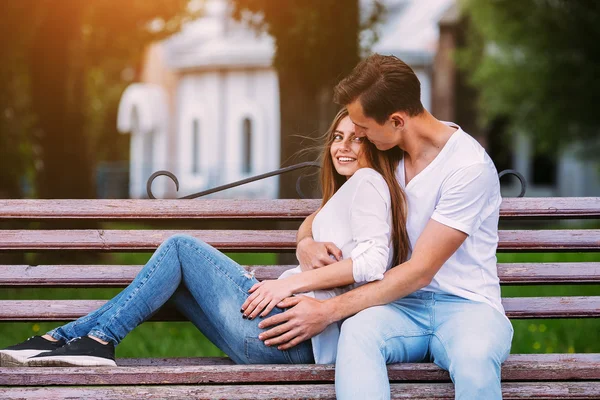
308	317
305	230
434	247
313	254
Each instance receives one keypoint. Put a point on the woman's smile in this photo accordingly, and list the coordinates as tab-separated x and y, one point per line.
345	160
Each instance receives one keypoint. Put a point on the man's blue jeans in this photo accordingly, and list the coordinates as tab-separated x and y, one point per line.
469	339
206	286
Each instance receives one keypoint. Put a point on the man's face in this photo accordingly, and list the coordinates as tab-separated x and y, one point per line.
384	137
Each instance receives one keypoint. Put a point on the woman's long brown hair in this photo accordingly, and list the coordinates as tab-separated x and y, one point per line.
384	162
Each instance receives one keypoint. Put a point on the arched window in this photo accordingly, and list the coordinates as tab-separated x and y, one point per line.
195	146
247	146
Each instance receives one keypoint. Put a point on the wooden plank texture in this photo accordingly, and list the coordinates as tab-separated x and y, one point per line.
510	390
520	367
555	207
122	275
516	307
157	209
142	240
258	240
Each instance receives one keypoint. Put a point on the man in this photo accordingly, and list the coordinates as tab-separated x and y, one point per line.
443	304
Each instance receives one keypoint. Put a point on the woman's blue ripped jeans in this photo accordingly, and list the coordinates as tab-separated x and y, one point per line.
206	286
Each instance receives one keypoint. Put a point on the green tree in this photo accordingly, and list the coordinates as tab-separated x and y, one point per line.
536	63
15	117
317	43
65	48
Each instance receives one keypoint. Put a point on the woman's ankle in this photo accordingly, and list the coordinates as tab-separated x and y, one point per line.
49	338
98	340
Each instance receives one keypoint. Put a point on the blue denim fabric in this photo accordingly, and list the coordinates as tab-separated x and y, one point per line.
206	286
469	339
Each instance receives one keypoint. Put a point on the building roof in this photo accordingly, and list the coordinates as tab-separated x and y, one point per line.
217	41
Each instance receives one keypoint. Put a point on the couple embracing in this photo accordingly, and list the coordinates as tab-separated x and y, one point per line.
397	265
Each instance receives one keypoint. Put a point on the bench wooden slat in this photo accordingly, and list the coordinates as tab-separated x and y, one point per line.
510	390
258	240
516	368
516	307
550	207
535	273
132	209
566	207
142	240
122	275
552	307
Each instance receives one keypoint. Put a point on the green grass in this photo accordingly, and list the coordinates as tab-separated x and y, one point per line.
162	339
553	335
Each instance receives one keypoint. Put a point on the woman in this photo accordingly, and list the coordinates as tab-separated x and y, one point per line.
363	210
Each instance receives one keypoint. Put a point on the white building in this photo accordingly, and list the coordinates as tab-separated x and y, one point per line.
207	110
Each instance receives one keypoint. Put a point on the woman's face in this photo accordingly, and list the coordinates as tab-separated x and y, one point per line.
347	150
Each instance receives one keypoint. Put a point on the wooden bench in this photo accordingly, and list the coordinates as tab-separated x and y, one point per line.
547	376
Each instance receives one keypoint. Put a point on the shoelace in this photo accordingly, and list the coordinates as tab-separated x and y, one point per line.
72	340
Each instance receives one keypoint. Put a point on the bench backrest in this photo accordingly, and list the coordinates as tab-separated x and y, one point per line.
267	214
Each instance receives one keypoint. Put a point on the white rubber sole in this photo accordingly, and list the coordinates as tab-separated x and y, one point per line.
70	361
17	358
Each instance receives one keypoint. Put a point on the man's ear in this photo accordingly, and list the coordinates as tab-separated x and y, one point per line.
397	120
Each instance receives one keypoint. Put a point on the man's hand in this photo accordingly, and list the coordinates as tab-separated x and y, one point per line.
306	318
313	254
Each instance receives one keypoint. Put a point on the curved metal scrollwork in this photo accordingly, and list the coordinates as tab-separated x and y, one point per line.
229	185
156	175
279	172
519	176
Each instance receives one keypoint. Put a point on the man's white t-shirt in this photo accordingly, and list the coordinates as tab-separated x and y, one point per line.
460	189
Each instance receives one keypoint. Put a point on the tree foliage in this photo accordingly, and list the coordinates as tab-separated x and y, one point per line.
15	118
536	63
69	59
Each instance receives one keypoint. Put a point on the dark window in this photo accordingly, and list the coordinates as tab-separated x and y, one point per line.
544	169
247	146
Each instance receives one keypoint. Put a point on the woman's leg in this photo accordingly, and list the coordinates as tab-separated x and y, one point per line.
140	289
185	303
215	289
160	275
82	326
149	291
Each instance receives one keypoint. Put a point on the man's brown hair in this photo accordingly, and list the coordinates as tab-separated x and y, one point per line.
383	85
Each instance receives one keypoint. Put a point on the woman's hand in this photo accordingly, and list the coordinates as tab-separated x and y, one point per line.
312	255
264	297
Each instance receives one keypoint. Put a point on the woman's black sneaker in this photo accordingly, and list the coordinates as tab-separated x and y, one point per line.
83	351
18	354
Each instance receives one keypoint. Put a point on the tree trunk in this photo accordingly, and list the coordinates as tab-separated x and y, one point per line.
306	90
58	95
57	77
300	130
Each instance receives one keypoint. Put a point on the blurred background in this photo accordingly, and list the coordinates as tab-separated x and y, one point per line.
98	94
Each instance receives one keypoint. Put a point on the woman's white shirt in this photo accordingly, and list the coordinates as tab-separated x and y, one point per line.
358	220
